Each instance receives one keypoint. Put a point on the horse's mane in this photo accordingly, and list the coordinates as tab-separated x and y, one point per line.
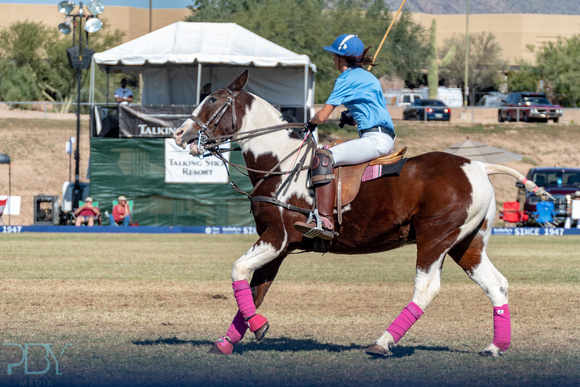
261	110
262	114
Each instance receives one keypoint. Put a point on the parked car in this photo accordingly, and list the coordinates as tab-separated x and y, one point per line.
530	107
494	99
561	183
435	109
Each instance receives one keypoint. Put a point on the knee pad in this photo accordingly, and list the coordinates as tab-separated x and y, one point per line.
321	167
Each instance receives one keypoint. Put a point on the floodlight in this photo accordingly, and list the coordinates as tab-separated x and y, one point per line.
93	25
66	7
96	7
64	28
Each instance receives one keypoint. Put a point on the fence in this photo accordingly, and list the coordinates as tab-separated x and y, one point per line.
487	115
46	107
475	114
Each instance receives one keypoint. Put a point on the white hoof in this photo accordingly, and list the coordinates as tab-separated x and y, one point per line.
381	347
377	350
491	351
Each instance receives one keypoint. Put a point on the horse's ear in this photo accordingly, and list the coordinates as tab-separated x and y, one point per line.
239	83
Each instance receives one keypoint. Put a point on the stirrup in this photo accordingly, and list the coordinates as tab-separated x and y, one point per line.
316	231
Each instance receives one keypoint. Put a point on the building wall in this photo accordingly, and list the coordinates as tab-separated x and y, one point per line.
133	21
514	32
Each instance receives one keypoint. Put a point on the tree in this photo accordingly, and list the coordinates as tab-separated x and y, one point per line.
34	64
18	83
405	51
22	49
435	62
305	26
558	64
526	78
485	63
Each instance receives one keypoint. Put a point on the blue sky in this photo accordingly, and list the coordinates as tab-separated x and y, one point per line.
127	3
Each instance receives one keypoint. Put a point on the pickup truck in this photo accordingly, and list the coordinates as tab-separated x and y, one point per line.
528	107
562	183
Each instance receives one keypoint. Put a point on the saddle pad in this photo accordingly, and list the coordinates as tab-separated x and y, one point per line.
375	171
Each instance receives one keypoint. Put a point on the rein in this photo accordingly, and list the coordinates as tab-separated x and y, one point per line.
204	142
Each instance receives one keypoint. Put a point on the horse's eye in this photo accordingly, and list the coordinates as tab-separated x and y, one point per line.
212	100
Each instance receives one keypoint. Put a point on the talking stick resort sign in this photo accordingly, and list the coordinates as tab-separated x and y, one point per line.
181	167
161	122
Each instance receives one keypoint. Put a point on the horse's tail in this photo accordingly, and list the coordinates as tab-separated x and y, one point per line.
494	169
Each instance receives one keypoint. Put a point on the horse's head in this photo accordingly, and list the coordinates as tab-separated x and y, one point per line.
216	119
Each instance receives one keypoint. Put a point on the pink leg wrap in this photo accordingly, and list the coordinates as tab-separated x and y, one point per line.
224	346
404	321
256	322
238	329
243	295
502	330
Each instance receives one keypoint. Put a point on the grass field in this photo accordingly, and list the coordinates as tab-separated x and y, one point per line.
144	310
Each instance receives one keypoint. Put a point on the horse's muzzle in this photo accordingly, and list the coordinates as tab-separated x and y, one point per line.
186	134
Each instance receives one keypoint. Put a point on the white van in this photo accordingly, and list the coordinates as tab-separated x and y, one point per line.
408	98
401	97
451	96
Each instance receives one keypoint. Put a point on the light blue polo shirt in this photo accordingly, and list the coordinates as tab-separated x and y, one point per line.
361	93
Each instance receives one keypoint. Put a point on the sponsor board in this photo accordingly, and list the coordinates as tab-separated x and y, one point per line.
534	231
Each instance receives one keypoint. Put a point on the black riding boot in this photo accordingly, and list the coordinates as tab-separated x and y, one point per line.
323	178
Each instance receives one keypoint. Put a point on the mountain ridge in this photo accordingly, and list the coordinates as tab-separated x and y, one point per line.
554	7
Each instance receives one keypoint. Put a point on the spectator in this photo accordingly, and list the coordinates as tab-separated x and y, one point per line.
123	95
121	213
205	91
86	213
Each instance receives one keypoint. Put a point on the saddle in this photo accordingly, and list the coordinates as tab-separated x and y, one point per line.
349	177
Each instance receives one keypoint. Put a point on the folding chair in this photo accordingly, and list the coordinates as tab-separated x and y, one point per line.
545	214
98	218
511	214
130	202
2	206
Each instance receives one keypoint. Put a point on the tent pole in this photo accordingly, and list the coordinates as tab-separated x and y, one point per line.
107	97
305	92
92	86
198	94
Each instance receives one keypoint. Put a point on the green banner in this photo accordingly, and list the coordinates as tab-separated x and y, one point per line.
135	168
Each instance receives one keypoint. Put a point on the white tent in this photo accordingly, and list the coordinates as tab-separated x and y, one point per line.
175	61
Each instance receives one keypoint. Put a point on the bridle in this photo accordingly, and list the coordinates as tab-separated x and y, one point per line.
203	139
211	145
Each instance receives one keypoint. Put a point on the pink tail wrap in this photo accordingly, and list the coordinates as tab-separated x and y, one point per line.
502	330
243	295
405	321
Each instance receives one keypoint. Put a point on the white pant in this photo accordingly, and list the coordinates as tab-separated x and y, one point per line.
370	146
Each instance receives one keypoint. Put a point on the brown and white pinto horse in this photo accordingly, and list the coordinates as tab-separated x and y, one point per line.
443	203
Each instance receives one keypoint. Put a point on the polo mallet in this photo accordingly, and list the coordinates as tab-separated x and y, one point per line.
385	37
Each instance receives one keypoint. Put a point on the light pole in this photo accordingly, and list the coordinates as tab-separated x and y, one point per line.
466	90
79	58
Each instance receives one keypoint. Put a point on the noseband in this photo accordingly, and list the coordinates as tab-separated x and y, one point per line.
217	115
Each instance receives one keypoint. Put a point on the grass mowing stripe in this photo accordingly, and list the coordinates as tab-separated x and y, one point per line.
143	310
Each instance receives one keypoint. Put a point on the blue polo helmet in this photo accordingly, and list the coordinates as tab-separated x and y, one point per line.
346	45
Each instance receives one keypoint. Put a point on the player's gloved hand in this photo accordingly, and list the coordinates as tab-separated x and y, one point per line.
310	127
346	119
